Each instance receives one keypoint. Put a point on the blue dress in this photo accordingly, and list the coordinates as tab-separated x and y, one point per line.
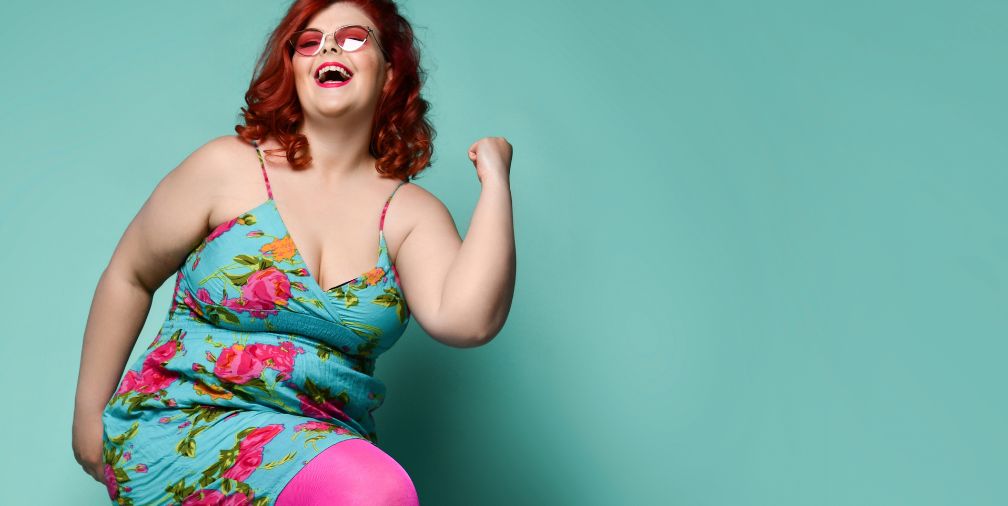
255	370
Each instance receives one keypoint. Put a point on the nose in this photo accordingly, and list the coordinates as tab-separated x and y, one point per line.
330	43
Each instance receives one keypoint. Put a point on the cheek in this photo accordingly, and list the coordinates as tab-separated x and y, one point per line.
301	69
302	81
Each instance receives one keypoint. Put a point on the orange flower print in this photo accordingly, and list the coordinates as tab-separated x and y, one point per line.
279	249
215	392
374	275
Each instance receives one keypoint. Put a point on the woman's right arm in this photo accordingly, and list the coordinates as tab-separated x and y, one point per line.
159	238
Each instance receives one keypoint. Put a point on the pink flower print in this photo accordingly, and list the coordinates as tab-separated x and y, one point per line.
203	497
204	296
237	365
236	499
187	299
161	354
148	381
110	482
260	436
268	284
141	468
164	419
261	351
313	425
250	452
223	227
262	292
280	358
245	463
129	382
316	426
283	360
206	497
152	376
331	408
127	456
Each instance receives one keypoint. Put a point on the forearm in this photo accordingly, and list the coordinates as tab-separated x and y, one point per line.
480	283
118	311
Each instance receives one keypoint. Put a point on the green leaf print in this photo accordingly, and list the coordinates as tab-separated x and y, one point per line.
286	458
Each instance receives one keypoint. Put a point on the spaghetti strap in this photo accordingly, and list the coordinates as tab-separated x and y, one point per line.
381	223
262	164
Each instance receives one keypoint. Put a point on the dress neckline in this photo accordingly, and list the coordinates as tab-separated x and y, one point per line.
316	282
382	252
383	259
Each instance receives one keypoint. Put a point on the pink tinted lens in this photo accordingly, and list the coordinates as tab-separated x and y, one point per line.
351	38
307	42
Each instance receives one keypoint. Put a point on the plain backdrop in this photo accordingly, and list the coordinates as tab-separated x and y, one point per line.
761	245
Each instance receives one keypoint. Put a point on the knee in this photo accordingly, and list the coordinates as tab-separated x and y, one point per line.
385	482
352	472
399	489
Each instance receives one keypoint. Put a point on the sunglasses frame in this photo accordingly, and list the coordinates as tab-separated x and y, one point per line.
369	36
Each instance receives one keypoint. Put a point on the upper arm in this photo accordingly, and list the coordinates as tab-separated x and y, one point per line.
424	257
173	219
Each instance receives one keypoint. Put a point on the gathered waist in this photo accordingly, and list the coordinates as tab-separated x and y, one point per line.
192	364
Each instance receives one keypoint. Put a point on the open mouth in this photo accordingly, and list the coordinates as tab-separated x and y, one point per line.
332	74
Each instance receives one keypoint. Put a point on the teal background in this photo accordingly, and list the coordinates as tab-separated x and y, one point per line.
761	246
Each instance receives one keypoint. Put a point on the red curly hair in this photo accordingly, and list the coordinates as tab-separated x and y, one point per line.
401	133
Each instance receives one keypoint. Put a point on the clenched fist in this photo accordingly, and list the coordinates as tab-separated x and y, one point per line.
492	158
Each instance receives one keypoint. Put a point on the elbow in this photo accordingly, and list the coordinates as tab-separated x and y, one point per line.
486	334
492	326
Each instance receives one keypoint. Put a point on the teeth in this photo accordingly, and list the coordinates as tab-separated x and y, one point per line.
341	70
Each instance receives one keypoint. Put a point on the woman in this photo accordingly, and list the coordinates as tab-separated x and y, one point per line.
265	360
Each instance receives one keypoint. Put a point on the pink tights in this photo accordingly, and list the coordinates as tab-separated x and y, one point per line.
353	472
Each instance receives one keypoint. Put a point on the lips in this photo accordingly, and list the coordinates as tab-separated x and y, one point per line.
332	84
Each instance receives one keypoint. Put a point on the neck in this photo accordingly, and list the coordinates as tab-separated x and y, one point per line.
339	149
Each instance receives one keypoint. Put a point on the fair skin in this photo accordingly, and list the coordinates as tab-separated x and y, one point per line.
458	291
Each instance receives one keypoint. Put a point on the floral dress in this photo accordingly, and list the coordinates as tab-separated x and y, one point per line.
255	370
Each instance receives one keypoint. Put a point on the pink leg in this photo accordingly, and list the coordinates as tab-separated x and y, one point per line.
352	473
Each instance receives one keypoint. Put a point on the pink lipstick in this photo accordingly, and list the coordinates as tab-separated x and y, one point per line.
331	68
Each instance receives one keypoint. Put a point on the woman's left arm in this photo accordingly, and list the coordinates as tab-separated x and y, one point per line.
460	293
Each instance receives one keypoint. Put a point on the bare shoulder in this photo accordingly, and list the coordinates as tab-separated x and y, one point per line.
207	178
223	157
226	169
195	185
208	165
174	217
421	206
411	205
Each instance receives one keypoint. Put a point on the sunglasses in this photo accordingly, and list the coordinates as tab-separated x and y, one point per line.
349	38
